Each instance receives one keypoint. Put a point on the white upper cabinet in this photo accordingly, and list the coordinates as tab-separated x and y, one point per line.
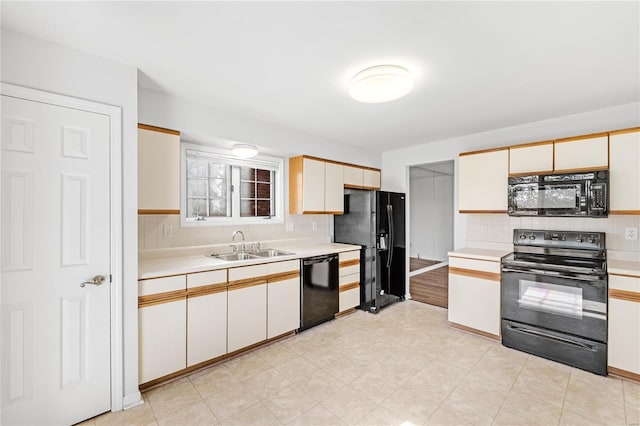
582	153
353	177
158	170
313	185
535	158
624	173
482	181
333	188
371	179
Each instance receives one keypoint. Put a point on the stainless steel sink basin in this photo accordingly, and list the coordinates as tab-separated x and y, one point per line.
234	256
271	253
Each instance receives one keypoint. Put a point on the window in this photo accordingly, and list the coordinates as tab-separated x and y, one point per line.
218	188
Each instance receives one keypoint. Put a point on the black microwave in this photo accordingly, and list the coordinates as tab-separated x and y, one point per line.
582	194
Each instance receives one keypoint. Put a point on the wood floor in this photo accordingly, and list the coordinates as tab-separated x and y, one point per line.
430	287
415	263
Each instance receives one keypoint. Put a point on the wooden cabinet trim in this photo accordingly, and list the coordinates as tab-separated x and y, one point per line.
629	296
581	137
525	145
282	277
482	151
164	212
625	275
368	187
348	185
533	172
204	290
475	258
340	163
475	274
581	169
475	331
159	298
624	211
622	131
158	129
240	284
351	262
349	286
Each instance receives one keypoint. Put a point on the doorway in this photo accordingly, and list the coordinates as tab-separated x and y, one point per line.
431	216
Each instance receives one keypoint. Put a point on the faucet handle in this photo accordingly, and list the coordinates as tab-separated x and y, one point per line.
258	246
234	248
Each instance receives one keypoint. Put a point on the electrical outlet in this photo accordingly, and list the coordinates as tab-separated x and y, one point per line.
314	226
631	234
167	231
289	227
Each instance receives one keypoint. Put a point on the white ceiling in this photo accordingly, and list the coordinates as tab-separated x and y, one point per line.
478	65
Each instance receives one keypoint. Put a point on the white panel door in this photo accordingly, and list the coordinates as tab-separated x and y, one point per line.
482	182
55	235
283	306
312	185
333	188
246	316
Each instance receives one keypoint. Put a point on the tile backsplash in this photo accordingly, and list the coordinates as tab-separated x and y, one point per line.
151	231
496	231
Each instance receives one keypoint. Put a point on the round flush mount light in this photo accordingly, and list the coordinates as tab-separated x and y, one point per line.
244	150
382	83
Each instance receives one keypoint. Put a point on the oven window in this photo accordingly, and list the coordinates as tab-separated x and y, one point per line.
551	298
560	197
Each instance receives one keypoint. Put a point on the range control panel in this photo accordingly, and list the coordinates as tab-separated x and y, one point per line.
564	239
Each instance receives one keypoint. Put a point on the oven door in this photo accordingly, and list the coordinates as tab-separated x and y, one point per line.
574	305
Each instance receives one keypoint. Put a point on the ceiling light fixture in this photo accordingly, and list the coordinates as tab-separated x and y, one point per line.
382	83
244	150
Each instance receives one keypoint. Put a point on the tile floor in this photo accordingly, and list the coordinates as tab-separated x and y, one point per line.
404	366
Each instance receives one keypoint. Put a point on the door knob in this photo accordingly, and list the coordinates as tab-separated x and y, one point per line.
97	280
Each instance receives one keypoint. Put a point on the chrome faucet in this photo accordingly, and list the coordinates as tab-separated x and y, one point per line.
233	238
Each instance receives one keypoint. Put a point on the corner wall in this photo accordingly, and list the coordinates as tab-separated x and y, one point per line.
46	66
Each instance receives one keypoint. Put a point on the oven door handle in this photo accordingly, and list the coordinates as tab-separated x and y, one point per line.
549	336
585	278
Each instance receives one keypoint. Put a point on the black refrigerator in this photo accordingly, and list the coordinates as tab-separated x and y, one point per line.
375	220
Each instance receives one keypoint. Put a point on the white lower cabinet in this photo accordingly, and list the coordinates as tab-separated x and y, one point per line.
283	306
247	315
349	299
624	325
161	344
206	327
474	295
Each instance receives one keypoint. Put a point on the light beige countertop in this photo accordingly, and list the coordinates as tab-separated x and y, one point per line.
166	262
480	253
623	267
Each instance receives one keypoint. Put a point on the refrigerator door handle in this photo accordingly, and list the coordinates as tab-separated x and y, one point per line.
391	236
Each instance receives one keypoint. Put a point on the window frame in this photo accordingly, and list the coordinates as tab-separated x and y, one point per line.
275	163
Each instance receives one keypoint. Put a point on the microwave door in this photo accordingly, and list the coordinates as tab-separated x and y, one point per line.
564	199
524	200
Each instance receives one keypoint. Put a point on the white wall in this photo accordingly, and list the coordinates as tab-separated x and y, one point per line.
39	64
431	215
395	163
202	123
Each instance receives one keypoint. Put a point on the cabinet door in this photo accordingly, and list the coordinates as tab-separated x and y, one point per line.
247	315
475	303
283	306
482	181
313	186
162	339
158	171
206	326
531	158
353	177
371	179
333	188
624	173
349	299
624	323
577	154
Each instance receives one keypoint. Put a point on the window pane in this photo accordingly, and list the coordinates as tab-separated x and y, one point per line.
196	188
264	190
263	175
247	173
217	188
247	190
264	208
217	170
202	168
192	167
196	208
217	208
247	208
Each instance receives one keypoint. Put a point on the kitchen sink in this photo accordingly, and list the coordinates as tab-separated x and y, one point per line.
234	256
271	253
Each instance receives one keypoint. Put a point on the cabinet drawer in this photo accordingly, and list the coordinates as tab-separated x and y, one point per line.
349	270
248	272
206	278
349	299
622	282
284	267
474	264
161	285
349	255
349	279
